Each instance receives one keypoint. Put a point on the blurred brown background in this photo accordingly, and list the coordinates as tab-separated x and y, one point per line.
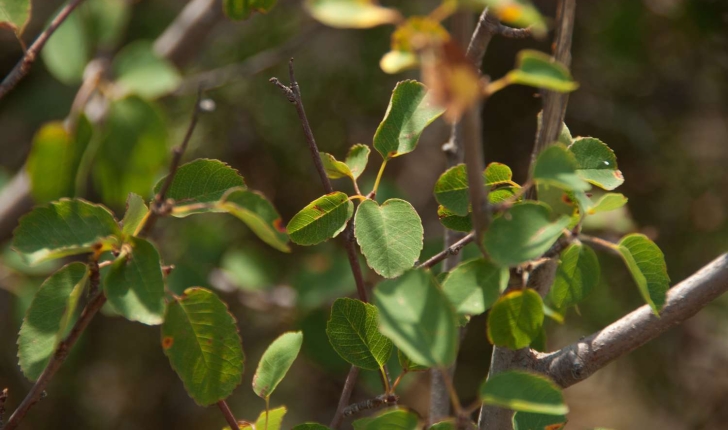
654	87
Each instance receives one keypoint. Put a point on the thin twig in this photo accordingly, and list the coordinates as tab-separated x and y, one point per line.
228	414
23	67
378	402
455	248
345	396
183	38
3	399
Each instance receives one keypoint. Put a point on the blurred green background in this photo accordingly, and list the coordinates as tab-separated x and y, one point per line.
654	87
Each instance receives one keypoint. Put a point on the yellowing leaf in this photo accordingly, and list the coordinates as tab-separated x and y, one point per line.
352	13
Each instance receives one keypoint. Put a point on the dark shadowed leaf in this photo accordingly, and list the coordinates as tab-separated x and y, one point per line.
523	391
577	275
453	221
409	365
311	426
531	421
396	419
516	319
275	363
321	220
353	331
647	266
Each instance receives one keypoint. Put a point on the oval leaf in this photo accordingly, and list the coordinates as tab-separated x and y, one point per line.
201	340
271	420
536	69
396	419
451	190
523	233
43	325
647	266
68	50
516	319
557	166
323	219
139	70
409	112
259	214
357	159
473	286
577	275
354	334
65	227
136	212
418	318
608	202
134	284
351	13
523	391
390	236
596	163
275	363
334	168
498	174
453	221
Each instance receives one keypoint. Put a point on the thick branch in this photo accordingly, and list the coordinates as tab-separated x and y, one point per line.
23	67
580	360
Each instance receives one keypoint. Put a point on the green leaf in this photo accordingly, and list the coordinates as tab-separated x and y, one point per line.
351	13
323	219
498	174
201	340
519	13
596	163
136	212
353	332
516	319
502	194
201	181
238	10
531	421
132	150
398	61
536	69
409	365
557	166
608	202
577	275
357	159
524	392
54	159
134	284
311	426
647	266
523	233
451	190
275	363
444	425
15	14
272	420
140	71
107	21
395	419
454	222
418	318
409	112
258	213
334	169
62	228
43	325
473	286
390	235
68	50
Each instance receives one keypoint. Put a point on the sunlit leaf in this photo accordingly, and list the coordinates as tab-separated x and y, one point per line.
523	391
334	168
320	220
352	13
136	212
577	275
357	159
15	14
451	190
596	163
498	174
647	266
390	235
519	13
272	420
354	334
557	166
140	71
418	318
515	320
608	202
275	362
536	69
258	213
65	227
409	112
134	283
416	33
523	233
201	340
473	286
398	61
43	325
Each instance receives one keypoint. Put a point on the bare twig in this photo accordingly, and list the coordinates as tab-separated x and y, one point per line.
455	248
378	402
228	414
3	399
23	67
345	396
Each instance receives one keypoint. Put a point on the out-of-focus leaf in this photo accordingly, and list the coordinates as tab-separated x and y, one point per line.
132	151
134	284
577	275
136	212
409	112
524	392
473	286
596	163
407	364
390	235
536	69
523	233
444	425
352	13
15	14
68	50
43	324
395	419
608	202
54	159
275	362
647	266
416	33
107	20
271	420
311	426
201	340
516	319
353	332
519	13
259	214
320	220
398	61
140	71
557	166
531	421
65	227
418	318
242	9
